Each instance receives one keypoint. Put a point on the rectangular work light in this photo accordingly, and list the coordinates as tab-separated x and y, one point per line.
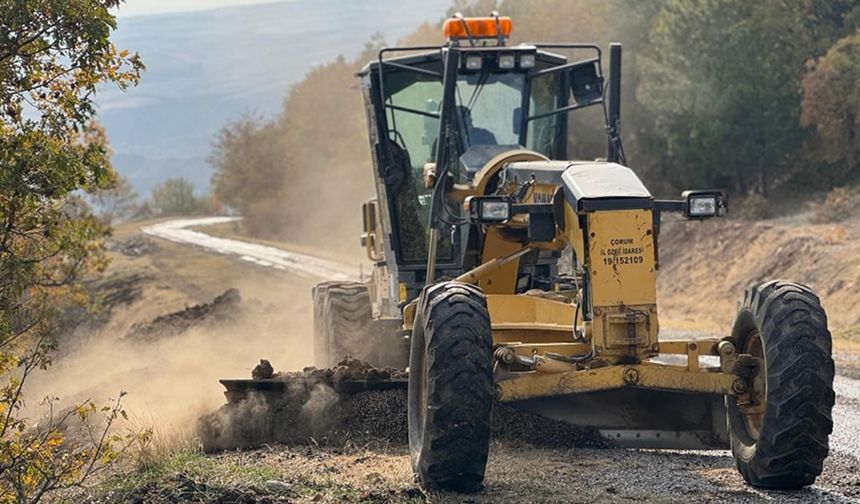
506	61
488	209
474	62
704	204
527	60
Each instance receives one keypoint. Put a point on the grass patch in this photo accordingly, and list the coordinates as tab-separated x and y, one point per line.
188	475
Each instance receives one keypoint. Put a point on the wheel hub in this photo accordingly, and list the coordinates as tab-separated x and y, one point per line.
753	408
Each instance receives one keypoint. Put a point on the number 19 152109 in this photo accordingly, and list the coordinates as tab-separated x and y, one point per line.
612	261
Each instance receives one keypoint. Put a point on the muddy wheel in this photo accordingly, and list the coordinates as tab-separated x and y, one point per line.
342	320
450	388
779	430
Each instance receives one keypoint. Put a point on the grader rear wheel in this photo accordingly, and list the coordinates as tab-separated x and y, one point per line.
779	429
342	321
450	388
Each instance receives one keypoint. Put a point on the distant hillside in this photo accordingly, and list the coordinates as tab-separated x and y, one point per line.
206	68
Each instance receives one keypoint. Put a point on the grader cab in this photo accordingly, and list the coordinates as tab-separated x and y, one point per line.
505	272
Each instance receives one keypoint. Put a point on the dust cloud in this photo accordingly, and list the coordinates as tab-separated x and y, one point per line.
318	415
312	407
172	378
321	399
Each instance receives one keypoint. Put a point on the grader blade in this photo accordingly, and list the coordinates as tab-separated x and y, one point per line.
237	390
640	418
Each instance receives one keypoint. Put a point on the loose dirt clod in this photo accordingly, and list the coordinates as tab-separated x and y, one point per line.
311	410
263	370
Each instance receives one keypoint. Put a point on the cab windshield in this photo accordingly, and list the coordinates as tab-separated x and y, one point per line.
487	107
488	112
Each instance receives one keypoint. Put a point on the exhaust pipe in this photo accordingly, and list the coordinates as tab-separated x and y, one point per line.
613	150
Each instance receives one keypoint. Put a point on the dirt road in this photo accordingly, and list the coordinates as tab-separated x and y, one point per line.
179	231
518	472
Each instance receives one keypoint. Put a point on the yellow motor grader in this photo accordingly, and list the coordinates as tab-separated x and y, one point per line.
505	272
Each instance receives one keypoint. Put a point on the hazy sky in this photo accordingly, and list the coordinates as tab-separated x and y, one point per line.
144	7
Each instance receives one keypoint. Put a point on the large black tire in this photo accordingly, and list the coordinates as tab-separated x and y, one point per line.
780	438
342	321
450	388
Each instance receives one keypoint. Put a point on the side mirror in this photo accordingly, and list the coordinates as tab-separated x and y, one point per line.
705	204
586	83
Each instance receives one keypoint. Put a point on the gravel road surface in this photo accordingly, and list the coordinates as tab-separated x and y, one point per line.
524	473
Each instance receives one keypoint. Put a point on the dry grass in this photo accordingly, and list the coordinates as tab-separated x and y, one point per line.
846	345
837	205
160	442
271	475
752	208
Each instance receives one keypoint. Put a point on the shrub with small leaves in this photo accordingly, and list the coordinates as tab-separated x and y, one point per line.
54	56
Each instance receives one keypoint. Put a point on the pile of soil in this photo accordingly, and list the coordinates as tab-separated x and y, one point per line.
512	424
349	368
223	309
120	290
311	410
136	246
306	414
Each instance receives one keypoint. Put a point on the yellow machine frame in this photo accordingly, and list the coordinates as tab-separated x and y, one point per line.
618	345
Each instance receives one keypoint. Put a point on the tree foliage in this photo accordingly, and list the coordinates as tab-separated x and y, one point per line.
249	155
831	106
117	203
711	98
175	196
54	54
305	172
721	79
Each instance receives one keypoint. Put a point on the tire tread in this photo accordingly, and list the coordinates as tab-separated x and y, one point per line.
458	346
793	442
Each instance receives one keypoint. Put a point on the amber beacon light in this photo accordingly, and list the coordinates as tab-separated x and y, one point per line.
477	27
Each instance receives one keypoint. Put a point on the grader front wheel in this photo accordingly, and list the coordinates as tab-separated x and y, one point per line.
780	427
450	388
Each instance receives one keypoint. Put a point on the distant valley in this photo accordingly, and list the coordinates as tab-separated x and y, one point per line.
207	68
